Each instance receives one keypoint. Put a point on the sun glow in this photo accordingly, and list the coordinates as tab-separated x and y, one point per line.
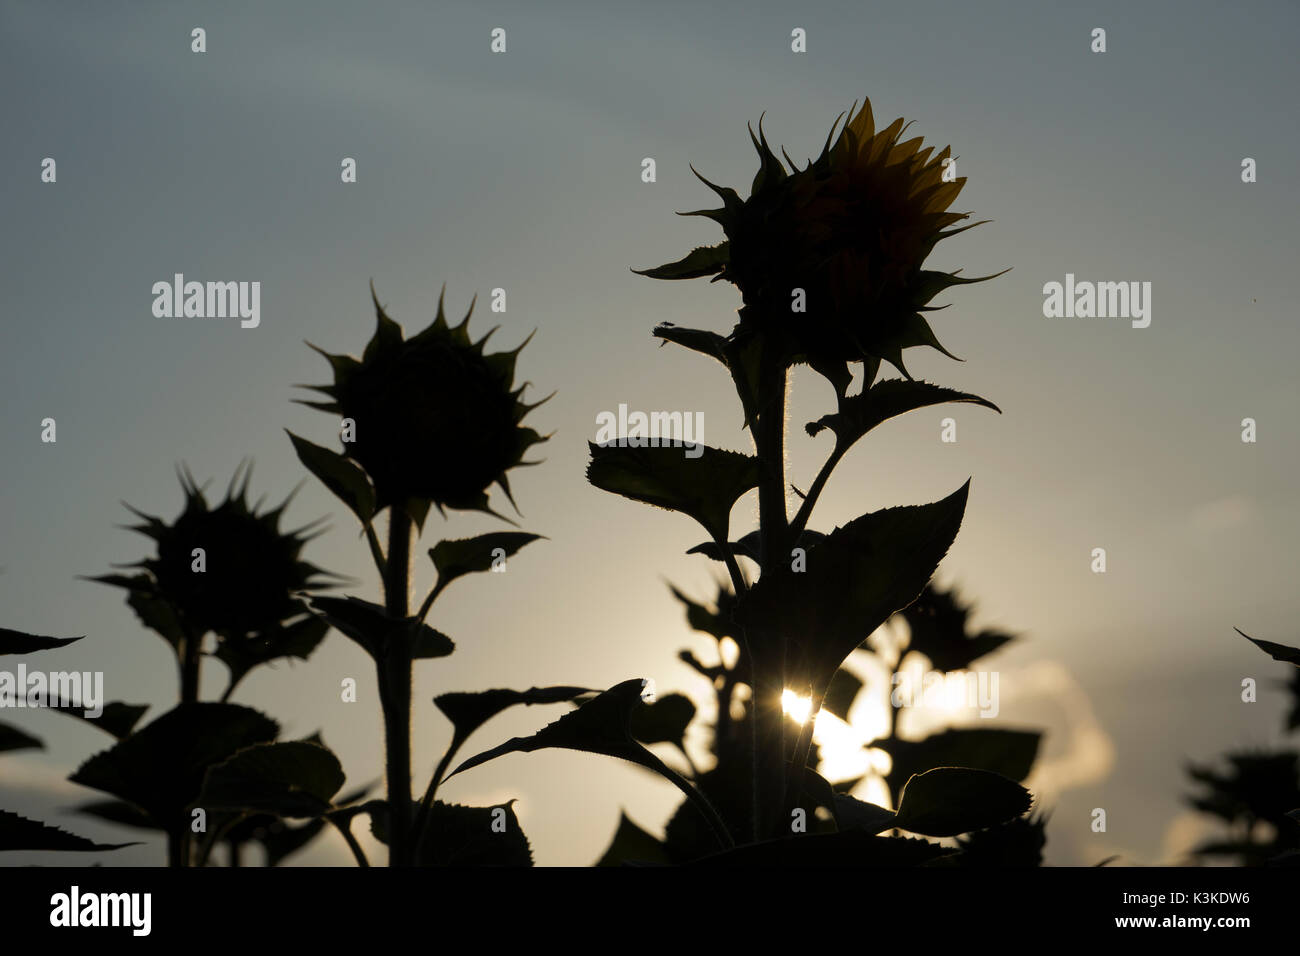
796	707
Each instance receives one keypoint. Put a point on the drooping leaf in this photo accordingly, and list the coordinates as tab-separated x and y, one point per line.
859	414
708	343
19	833
704	486
1004	751
339	474
1279	652
287	779
455	558
664	721
468	711
160	767
632	844
17	642
855	578
12	738
118	719
947	801
701	261
602	725
371	626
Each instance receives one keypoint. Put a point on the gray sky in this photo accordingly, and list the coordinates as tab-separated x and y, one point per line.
522	170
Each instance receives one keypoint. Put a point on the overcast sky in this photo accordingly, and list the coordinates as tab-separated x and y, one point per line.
522	170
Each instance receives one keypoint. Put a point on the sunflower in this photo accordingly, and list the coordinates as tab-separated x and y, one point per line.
852	230
251	574
435	418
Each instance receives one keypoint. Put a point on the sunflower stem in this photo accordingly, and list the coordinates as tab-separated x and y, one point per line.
768	653
190	654
394	672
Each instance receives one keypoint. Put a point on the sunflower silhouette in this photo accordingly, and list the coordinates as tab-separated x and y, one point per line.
850	231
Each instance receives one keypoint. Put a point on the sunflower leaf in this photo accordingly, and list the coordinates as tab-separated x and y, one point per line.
339	474
855	578
705	487
13	738
19	833
160	768
1000	750
699	262
947	801
17	642
859	414
1279	652
632	844
288	779
456	558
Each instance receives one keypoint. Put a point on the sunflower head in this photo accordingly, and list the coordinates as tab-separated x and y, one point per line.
852	230
248	577
434	418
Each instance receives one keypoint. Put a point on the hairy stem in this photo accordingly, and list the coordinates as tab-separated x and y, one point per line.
769	662
394	672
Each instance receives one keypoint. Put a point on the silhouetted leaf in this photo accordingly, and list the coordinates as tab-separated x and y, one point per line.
474	836
1004	751
859	414
718	622
841	694
297	640
850	813
455	558
937	622
947	801
701	261
287	779
160	767
1018	842
704	487
602	725
17	642
1279	652
856	577
631	844
663	721
371	626
339	474
750	545
708	343
117	720
20	833
11	738
469	711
